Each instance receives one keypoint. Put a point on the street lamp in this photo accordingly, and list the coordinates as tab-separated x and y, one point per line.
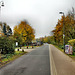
1	5
63	30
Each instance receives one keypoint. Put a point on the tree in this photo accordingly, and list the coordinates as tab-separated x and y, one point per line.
58	32
69	24
24	32
49	39
7	30
4	28
6	43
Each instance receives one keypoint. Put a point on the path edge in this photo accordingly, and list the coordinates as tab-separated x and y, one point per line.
52	64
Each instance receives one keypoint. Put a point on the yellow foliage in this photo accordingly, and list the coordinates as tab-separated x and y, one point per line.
72	42
25	31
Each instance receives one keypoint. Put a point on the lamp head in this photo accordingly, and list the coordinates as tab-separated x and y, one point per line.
61	13
2	4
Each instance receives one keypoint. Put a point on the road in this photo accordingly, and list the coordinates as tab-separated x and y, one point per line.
35	62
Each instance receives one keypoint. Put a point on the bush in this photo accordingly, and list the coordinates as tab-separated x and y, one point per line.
61	46
7	45
72	43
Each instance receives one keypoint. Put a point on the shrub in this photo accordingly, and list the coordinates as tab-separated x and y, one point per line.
7	45
72	43
61	46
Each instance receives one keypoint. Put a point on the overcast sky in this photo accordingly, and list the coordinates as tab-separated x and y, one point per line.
42	15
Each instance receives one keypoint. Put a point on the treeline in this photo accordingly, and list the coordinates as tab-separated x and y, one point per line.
22	33
47	39
69	29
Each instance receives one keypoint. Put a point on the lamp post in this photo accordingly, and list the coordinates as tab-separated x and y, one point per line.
1	5
63	30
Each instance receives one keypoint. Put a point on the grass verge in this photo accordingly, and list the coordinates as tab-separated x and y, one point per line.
72	56
59	48
10	57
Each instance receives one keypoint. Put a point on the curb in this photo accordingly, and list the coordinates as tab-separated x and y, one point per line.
52	64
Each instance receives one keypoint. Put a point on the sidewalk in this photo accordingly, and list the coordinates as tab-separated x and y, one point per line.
64	65
25	49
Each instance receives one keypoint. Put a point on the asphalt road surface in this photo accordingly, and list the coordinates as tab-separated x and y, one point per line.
34	63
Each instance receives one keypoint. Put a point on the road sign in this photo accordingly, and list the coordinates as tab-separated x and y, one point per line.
16	43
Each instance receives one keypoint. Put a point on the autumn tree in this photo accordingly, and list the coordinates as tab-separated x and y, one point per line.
24	33
69	27
49	39
58	32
